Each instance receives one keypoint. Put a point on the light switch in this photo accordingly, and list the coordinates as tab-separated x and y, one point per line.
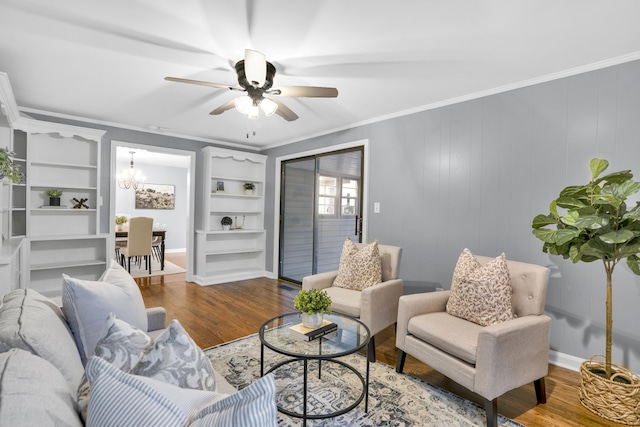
376	207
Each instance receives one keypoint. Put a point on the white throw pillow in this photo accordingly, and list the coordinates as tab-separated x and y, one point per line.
86	304
121	399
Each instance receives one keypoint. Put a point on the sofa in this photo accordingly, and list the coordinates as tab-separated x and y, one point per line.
41	367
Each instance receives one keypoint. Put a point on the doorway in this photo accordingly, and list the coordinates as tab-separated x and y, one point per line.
321	204
161	166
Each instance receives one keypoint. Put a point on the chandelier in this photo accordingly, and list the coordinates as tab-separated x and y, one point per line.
131	178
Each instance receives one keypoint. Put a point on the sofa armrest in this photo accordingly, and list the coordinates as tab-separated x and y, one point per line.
379	305
414	305
157	318
518	349
319	281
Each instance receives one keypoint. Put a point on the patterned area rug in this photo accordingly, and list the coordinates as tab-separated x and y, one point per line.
394	399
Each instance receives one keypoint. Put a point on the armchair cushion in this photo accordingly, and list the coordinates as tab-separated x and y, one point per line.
345	301
437	329
359	268
481	293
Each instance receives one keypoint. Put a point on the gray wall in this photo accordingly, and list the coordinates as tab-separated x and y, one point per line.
475	174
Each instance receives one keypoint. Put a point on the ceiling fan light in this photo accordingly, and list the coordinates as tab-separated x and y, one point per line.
253	112
255	67
268	106
243	104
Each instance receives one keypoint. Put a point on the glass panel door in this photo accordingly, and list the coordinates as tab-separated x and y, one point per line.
296	218
320	206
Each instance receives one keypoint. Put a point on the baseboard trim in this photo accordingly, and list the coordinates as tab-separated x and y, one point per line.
566	361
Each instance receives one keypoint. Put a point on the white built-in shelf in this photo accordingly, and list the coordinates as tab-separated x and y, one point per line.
236	254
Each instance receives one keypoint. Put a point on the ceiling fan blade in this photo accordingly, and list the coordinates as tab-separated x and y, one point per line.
284	111
305	91
199	82
224	107
255	67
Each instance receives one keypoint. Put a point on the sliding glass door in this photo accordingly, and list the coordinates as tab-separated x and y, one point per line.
320	206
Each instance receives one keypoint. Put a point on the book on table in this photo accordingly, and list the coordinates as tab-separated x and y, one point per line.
310	334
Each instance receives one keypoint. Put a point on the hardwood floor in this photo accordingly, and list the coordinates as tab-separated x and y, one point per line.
220	313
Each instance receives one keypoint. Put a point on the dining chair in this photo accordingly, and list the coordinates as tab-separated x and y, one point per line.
138	242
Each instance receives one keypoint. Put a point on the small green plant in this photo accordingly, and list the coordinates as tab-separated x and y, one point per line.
121	220
313	301
249	186
8	169
54	193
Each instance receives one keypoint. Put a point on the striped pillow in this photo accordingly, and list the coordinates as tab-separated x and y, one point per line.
121	399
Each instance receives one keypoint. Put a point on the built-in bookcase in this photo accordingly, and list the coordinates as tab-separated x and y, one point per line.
66	238
236	252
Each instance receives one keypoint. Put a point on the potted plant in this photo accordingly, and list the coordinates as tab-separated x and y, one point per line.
8	169
249	187
312	304
596	224
226	222
120	222
54	196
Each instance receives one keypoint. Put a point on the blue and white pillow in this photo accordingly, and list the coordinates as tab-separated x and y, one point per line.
173	357
123	399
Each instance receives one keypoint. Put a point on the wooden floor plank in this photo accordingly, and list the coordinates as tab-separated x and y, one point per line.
220	313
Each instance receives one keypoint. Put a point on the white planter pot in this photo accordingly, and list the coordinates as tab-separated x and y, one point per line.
311	320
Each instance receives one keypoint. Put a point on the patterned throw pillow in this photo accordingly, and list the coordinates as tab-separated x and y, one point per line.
173	357
176	359
481	293
359	268
120	344
122	399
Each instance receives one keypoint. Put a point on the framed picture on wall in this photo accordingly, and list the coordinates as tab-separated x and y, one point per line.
156	196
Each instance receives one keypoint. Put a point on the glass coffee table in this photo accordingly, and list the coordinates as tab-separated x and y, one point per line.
352	336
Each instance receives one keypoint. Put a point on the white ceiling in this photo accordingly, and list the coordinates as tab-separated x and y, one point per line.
105	61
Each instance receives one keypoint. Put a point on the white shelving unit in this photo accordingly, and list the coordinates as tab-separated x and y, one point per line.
238	253
60	239
12	197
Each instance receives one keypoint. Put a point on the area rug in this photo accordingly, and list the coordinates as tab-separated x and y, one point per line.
394	399
169	268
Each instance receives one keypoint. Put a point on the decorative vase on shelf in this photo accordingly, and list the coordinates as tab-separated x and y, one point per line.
226	223
313	320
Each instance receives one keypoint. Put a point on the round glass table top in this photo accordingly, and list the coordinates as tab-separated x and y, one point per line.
351	336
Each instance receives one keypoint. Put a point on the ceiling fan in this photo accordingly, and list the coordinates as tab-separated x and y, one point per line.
255	77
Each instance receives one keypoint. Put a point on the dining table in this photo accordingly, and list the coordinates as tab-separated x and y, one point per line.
156	233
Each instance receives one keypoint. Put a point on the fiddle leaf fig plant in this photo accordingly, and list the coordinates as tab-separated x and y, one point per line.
592	222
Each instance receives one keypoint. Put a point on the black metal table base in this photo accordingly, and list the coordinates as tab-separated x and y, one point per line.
306	416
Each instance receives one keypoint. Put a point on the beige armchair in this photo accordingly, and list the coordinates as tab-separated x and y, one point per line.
489	360
138	241
375	306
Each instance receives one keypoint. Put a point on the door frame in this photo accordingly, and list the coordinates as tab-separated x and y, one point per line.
190	195
277	179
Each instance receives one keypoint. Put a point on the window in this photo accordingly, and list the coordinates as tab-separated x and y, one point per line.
349	199
327	194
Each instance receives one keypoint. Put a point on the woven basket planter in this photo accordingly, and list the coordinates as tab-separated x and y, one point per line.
609	399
